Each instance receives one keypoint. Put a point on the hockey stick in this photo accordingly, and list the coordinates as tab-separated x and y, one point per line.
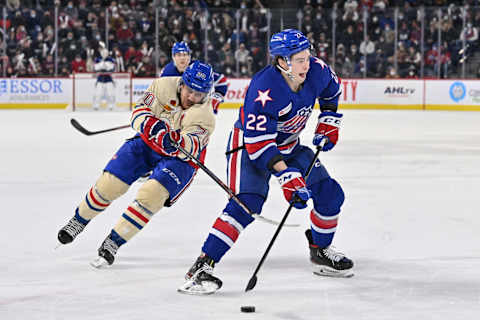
80	128
253	280
230	192
86	132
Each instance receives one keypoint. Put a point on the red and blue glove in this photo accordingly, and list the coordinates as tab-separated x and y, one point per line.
166	142
293	187
327	128
217	98
152	126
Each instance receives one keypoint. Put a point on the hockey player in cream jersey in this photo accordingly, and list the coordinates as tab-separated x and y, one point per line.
174	111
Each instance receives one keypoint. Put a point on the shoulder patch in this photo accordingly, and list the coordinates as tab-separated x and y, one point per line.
148	99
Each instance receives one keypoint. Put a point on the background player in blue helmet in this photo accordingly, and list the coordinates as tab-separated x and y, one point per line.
104	86
174	111
278	103
181	55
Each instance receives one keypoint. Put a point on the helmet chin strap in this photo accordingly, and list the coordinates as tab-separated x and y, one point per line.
288	72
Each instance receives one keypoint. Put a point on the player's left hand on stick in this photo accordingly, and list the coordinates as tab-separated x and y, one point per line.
327	128
294	187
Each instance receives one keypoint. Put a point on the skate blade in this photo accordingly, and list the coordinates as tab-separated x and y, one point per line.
325	271
58	246
199	289
99	263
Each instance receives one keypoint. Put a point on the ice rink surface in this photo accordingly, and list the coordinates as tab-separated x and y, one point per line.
410	222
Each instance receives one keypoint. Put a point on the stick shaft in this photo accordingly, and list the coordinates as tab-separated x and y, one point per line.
227	189
253	280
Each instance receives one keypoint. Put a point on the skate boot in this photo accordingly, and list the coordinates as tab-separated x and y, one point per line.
106	254
200	279
68	233
327	261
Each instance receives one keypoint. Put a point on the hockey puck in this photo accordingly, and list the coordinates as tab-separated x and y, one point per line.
247	308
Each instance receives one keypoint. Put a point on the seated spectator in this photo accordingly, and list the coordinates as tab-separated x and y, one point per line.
78	64
242	54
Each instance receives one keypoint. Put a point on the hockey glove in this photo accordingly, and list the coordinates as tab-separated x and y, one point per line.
217	98
293	187
327	128
152	126
166	142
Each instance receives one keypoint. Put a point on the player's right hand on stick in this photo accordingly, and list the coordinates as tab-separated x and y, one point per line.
153	126
294	187
167	141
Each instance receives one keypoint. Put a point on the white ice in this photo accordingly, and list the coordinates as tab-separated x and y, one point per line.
410	222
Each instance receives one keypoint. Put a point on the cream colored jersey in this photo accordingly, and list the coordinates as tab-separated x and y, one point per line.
162	100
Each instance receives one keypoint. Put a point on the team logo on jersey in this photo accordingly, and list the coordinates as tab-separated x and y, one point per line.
263	97
297	122
148	99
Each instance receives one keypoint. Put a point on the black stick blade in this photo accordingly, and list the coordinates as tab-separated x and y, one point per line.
86	132
79	127
251	283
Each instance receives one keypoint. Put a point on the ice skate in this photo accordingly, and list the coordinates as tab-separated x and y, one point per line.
106	254
200	279
68	233
327	261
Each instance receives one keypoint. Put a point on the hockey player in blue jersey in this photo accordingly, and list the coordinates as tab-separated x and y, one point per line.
265	142
181	58
104	86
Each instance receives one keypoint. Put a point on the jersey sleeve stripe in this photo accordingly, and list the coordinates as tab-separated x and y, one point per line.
254	152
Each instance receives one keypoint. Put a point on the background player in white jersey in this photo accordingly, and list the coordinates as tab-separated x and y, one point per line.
104	86
174	111
265	142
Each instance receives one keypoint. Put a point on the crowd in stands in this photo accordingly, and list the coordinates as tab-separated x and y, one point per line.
238	33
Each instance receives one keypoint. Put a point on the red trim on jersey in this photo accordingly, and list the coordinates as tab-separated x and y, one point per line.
324	224
141	109
103	205
254	147
233	160
242	116
288	145
226	228
138	214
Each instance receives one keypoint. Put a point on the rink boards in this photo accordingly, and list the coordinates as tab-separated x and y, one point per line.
452	94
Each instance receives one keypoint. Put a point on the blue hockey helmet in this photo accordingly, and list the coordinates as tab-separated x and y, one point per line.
288	42
198	76
181	46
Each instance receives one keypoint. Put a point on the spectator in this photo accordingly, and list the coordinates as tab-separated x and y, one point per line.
242	54
78	64
367	47
124	36
470	35
392	73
